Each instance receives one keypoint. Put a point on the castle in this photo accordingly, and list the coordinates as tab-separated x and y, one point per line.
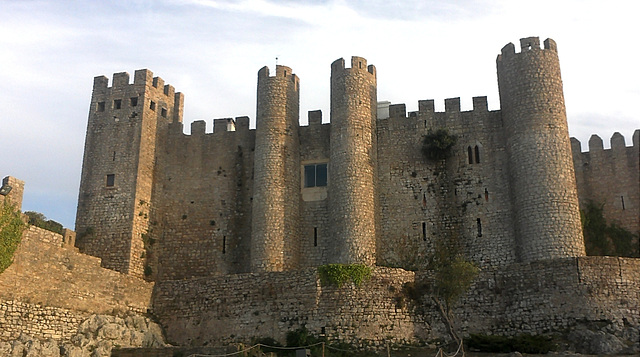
160	204
220	235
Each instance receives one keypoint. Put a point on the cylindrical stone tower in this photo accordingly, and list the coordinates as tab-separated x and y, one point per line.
543	186
352	166
276	185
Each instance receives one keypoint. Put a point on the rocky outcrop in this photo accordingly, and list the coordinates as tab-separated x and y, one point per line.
96	336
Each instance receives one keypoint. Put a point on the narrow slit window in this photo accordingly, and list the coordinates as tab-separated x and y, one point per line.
622	201
224	244
114	156
479	225
477	154
111	180
117	104
486	195
470	154
424	231
315	236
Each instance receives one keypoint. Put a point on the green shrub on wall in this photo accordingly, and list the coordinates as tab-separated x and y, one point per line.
40	220
338	274
11	227
436	145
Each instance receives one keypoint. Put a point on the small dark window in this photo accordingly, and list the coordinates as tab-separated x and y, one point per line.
111	180
224	244
134	101
315	236
100	106
424	231
477	154
114	156
315	175
486	195
152	105
470	154
117	104
479	224
622	201
163	112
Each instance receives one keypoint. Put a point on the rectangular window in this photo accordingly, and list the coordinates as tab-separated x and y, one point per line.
315	175
163	112
117	104
134	101
111	180
152	105
100	106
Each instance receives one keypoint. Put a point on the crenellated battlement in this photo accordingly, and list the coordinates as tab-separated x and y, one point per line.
220	126
596	144
357	64
141	78
427	107
281	72
527	44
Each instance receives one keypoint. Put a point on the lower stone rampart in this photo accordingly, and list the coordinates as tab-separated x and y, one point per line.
554	296
548	297
242	307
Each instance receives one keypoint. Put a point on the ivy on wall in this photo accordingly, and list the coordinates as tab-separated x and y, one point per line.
338	274
11	227
603	238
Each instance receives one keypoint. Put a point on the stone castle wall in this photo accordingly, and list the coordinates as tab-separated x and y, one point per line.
14	196
541	298
50	288
239	308
611	178
423	201
552	296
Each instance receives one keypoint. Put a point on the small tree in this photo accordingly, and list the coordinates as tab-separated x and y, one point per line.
436	145
453	277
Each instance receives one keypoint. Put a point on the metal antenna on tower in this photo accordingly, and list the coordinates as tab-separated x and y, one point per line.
276	61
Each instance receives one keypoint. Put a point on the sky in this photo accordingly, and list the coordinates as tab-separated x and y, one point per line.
211	50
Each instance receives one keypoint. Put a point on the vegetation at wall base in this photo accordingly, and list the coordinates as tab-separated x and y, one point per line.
436	145
603	238
524	343
338	274
11	228
40	220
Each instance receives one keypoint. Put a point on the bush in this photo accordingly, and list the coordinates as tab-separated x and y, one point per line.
338	274
39	220
11	227
437	145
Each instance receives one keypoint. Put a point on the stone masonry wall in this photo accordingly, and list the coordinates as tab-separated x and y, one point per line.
554	295
422	201
44	273
201	213
14	196
611	178
238	308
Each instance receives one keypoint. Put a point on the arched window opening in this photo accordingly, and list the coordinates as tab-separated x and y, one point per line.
477	154
470	154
